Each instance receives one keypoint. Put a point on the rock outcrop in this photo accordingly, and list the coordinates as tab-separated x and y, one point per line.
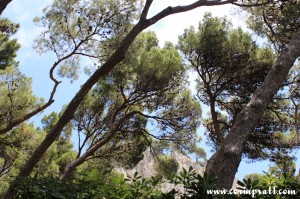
145	168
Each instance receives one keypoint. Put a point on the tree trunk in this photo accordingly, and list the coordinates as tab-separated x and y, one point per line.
216	124
3	4
224	163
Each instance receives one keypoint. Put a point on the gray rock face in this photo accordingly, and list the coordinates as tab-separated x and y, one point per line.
145	168
185	162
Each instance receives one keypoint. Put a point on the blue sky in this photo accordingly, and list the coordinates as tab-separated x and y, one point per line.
37	66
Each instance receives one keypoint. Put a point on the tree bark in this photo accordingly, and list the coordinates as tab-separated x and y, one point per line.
115	59
3	4
224	163
216	124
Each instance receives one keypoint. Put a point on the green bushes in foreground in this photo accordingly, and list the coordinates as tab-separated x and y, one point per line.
116	186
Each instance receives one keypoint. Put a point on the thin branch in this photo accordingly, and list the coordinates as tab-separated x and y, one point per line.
51	98
93	149
296	119
152	151
271	29
123	94
67	25
146	9
279	117
26	117
87	55
148	116
165	138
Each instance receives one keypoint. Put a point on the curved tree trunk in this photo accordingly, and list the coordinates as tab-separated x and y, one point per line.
3	4
225	162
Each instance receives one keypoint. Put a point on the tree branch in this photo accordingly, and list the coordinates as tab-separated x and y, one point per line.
272	30
146	9
56	83
94	148
3	4
179	9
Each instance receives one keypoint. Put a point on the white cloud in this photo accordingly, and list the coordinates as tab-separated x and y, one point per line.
26	35
23	12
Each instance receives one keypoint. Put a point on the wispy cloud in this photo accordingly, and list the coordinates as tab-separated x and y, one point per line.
23	12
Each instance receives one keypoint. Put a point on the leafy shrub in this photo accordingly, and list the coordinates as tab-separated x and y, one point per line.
114	187
166	166
94	185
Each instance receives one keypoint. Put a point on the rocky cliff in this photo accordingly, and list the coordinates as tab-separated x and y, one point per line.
145	167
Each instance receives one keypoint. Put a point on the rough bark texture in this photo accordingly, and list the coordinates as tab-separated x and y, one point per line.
115	59
3	4
216	124
224	163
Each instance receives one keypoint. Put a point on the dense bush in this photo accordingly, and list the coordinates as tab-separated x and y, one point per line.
166	167
115	186
89	186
